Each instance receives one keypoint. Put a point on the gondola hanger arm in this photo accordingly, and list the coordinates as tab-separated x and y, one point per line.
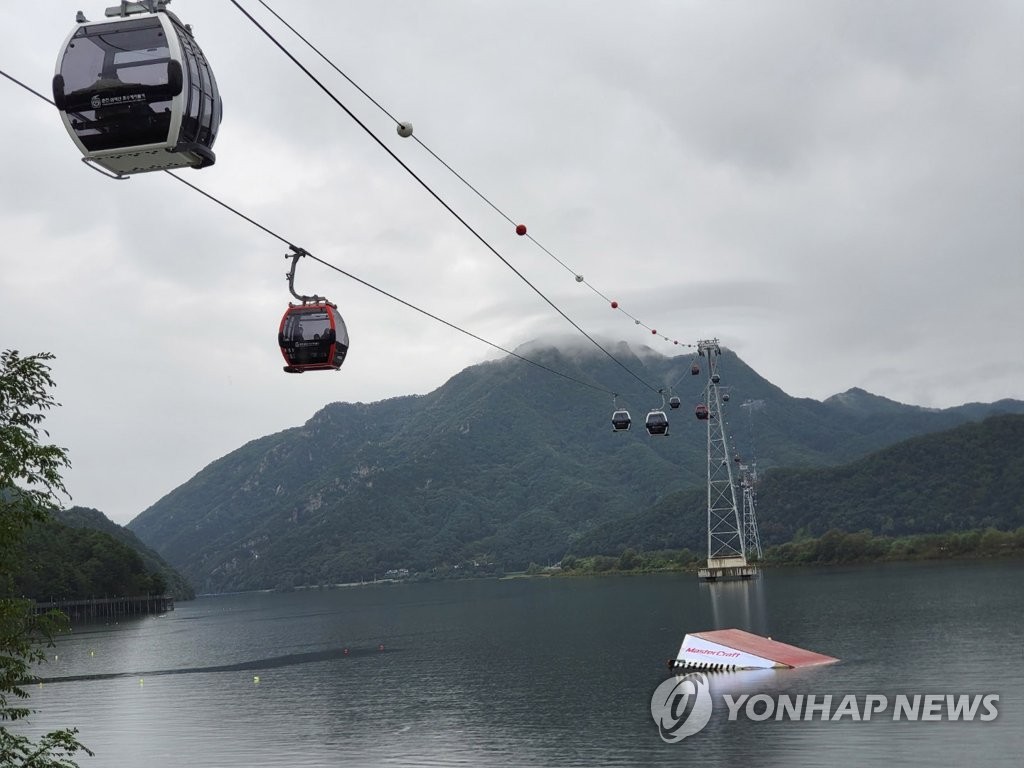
126	8
296	254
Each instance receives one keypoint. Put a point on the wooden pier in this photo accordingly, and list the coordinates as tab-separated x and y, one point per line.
105	608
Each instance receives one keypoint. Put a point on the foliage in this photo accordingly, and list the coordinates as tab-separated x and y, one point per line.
53	750
87	522
63	563
633	561
840	547
31	481
29	472
833	548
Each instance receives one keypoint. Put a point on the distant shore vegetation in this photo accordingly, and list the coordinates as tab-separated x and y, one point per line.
832	548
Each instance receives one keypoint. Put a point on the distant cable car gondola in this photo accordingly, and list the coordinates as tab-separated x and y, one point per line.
715	378
621	421
701	412
725	397
137	94
657	423
695	369
674	402
312	335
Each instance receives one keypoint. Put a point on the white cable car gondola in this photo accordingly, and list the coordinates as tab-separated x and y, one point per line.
657	424
136	94
621	421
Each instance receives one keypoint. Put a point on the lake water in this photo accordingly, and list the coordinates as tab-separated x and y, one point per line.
540	672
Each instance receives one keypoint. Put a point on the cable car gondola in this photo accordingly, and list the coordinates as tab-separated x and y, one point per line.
725	398
657	424
674	402
136	94
701	412
313	337
695	370
715	378
621	421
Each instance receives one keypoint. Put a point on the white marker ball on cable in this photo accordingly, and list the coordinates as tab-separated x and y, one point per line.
404	130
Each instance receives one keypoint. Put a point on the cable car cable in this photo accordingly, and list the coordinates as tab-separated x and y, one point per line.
436	157
31	90
347	274
460	177
382	292
434	194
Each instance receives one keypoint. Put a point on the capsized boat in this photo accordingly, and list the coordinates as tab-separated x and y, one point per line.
735	649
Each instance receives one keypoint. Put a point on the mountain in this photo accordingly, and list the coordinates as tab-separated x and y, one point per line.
78	553
966	478
505	463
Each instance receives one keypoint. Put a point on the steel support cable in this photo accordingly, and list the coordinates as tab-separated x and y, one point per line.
452	170
432	193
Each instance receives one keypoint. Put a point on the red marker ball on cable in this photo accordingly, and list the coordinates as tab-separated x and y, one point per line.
615	305
520	229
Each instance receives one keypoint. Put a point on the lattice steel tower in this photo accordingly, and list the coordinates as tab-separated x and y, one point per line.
727	552
748	485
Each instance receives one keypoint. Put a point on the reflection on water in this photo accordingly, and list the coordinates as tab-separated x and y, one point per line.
539	672
738	604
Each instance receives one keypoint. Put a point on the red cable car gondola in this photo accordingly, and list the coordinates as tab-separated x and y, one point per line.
312	335
136	94
701	412
695	369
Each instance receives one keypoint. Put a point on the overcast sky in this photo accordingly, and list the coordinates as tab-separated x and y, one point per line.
833	189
